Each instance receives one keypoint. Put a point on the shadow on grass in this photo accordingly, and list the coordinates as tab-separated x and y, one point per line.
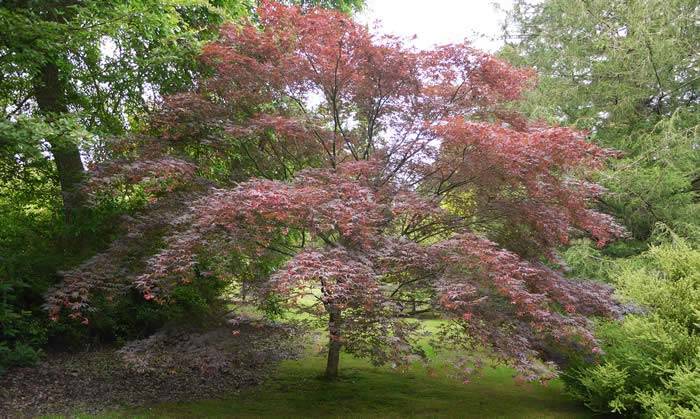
298	390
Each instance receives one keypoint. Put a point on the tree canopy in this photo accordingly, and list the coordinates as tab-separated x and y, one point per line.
378	172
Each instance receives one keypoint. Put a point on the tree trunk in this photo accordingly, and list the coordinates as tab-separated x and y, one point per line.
50	93
50	89
334	344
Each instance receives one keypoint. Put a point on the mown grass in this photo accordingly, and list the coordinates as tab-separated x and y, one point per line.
296	390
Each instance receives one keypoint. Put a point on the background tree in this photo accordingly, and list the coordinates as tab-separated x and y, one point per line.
346	6
378	169
107	63
628	72
101	62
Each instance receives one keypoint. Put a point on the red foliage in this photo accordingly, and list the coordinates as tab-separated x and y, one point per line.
162	174
415	152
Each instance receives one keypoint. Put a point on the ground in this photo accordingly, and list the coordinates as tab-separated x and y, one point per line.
173	365
91	385
363	391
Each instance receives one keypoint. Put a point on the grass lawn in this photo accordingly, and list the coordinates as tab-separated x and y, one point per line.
365	391
296	390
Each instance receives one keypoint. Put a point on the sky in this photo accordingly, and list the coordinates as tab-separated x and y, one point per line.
439	21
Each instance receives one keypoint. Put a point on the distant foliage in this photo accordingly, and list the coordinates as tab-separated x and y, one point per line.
628	72
659	180
21	335
346	6
380	171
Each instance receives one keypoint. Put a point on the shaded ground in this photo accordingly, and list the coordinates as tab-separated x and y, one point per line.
224	361
296	390
364	391
158	381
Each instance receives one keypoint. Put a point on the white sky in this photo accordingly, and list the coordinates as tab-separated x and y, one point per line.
439	21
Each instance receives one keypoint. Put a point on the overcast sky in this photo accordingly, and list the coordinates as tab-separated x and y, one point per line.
438	21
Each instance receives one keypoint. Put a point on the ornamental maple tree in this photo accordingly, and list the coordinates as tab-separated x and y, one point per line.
377	176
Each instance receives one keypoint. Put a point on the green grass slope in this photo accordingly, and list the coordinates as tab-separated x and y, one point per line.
297	390
364	391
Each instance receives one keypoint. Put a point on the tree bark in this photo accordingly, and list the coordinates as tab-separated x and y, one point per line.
50	93
334	344
50	89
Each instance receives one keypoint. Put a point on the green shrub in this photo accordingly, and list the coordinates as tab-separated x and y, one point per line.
132	317
21	334
651	365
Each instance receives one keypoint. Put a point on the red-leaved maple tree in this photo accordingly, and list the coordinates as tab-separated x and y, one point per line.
388	181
